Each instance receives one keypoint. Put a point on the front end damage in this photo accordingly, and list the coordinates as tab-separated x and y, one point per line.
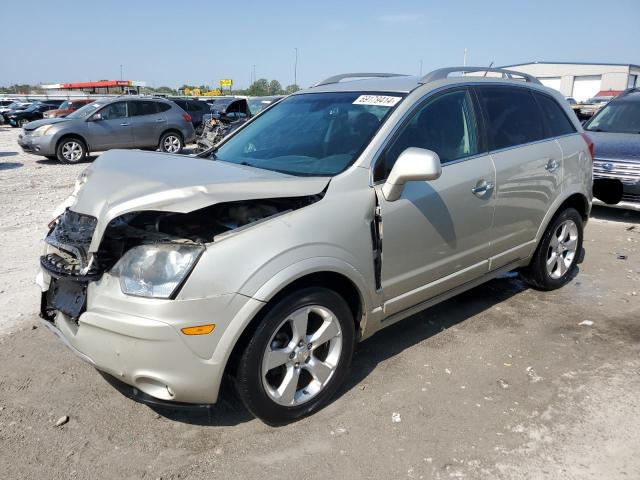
71	266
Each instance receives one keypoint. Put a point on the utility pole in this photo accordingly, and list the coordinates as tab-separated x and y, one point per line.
120	71
295	68
464	59
254	74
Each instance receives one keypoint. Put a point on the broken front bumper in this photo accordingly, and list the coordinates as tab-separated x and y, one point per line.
139	340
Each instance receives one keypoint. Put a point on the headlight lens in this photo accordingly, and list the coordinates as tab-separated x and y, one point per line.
156	270
41	130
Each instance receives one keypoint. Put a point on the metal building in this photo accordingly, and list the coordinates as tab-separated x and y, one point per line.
582	80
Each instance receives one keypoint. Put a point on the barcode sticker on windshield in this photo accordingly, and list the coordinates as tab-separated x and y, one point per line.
379	100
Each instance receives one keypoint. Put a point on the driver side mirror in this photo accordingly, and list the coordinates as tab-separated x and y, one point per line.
96	117
414	164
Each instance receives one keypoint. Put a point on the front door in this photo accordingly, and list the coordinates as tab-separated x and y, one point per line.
437	234
113	130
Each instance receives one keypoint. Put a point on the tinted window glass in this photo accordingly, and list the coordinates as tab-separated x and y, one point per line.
446	125
182	104
197	106
557	120
513	116
142	108
114	110
163	107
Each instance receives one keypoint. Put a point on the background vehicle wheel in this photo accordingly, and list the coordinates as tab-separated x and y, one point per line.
71	150
171	142
555	260
22	122
298	356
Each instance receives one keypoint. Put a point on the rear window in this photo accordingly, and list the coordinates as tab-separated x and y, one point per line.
198	106
513	116
557	121
143	107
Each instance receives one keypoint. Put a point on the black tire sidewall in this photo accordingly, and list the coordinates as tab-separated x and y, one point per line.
61	158
539	266
165	135
249	378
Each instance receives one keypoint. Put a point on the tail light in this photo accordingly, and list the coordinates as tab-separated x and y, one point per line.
187	117
589	144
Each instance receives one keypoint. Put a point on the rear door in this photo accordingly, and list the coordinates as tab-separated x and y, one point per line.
528	164
113	130
147	122
437	234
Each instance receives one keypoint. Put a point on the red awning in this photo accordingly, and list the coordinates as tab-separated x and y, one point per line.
608	93
100	84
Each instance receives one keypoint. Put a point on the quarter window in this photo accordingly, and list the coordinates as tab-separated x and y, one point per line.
513	116
446	125
557	121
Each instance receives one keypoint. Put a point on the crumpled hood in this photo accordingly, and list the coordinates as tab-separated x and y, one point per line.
616	146
122	181
45	121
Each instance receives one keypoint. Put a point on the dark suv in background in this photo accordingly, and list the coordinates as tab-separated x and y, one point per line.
615	131
35	111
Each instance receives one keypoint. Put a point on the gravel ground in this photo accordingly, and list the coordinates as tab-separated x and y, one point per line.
500	382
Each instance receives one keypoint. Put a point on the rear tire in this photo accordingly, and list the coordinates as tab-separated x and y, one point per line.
171	142
555	260
71	150
298	356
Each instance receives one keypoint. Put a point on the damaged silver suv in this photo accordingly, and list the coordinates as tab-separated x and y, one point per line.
340	210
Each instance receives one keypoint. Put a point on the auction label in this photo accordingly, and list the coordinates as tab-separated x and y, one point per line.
378	100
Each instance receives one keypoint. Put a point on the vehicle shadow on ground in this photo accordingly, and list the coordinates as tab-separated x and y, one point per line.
47	161
613	214
229	410
8	154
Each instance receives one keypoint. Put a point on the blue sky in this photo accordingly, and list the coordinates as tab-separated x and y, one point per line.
172	42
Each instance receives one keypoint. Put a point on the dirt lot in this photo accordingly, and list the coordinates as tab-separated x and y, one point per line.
501	382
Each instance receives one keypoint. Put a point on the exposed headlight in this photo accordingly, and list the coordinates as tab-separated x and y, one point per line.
156	270
41	130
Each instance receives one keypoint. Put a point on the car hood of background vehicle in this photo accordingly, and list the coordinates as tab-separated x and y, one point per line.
45	121
59	111
616	146
122	181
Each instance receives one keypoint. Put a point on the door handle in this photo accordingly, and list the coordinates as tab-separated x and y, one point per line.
551	166
125	124
159	119
482	188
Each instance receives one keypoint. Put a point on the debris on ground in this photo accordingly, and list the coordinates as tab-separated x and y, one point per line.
622	257
586	323
533	376
395	417
62	420
503	384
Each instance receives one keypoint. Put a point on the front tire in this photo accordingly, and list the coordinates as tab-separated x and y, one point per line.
71	150
171	142
298	356
555	260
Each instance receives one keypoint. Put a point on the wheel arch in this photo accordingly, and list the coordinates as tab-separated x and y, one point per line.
331	279
577	200
65	136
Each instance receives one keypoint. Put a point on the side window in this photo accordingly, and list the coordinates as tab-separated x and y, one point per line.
512	115
557	120
114	110
163	107
144	107
446	125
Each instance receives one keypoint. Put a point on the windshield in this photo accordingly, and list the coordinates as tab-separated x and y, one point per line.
65	105
86	111
33	107
617	117
310	134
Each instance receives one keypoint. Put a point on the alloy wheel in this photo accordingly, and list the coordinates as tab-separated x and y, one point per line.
302	355
171	144
562	249
72	151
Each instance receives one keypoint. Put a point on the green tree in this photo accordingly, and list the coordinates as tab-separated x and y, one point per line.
259	88
291	89
275	88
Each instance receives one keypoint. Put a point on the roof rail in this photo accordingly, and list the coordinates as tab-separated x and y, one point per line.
337	78
443	73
